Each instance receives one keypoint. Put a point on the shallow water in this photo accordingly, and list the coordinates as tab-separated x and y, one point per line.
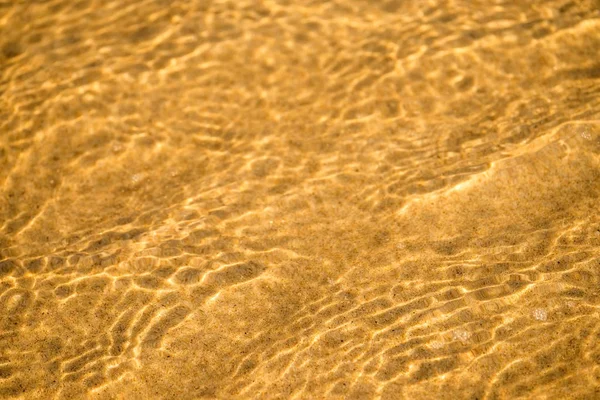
314	199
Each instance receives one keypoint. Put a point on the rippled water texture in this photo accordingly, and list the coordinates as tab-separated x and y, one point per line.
314	199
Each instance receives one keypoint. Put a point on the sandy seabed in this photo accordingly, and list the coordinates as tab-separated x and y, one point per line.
299	200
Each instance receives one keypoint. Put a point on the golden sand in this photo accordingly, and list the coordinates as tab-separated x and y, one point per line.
299	200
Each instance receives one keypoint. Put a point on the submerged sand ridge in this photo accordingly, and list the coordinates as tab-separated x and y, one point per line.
357	200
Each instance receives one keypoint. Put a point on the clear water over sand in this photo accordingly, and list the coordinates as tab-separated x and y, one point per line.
313	199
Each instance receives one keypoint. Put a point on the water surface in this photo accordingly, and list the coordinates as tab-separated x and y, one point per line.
313	199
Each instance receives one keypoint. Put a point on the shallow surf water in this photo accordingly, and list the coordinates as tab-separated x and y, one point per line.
314	199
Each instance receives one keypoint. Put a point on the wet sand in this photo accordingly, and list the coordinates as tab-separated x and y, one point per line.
299	200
